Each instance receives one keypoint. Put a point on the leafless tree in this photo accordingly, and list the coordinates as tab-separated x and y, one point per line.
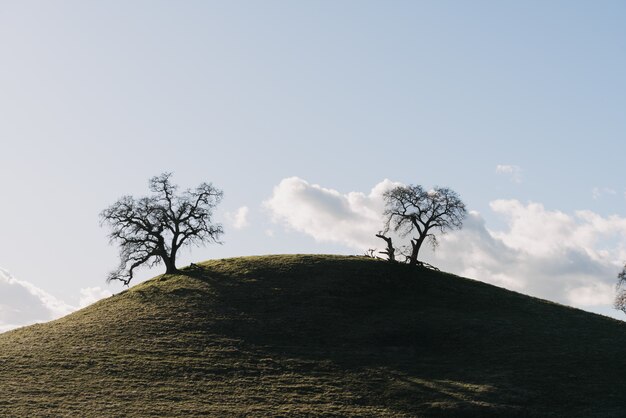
390	251
370	253
152	229
419	213
620	299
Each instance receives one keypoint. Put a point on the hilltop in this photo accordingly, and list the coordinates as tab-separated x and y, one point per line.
316	335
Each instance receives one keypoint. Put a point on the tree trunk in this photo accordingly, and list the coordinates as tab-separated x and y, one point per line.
390	252
414	250
416	244
170	265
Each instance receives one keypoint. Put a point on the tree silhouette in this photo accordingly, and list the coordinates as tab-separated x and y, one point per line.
152	229
411	210
620	299
390	251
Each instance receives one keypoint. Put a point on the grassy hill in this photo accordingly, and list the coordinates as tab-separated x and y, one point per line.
316	335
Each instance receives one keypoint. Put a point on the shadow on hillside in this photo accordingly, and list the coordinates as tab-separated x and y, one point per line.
374	322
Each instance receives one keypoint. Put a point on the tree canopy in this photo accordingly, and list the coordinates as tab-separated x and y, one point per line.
151	230
413	211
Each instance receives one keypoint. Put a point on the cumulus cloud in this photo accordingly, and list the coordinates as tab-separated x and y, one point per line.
89	295
572	258
239	219
512	171
22	303
327	215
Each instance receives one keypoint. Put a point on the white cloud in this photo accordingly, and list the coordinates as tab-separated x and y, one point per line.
22	303
543	253
325	214
89	295
239	219
569	258
512	171
594	294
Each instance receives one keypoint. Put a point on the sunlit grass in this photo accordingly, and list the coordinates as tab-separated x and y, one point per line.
315	335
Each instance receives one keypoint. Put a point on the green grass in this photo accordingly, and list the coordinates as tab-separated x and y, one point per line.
316	335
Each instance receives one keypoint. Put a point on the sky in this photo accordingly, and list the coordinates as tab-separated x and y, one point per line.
304	113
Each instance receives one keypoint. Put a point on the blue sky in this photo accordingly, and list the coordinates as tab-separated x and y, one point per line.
96	97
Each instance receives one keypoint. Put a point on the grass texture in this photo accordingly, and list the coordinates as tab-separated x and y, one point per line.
316	335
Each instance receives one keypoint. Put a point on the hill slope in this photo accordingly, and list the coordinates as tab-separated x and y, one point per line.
331	335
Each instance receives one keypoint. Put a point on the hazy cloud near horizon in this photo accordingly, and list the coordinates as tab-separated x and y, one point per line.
89	295
22	303
569	258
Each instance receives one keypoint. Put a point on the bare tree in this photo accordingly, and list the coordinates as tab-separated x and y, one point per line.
413	211
152	229
390	251
620	299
